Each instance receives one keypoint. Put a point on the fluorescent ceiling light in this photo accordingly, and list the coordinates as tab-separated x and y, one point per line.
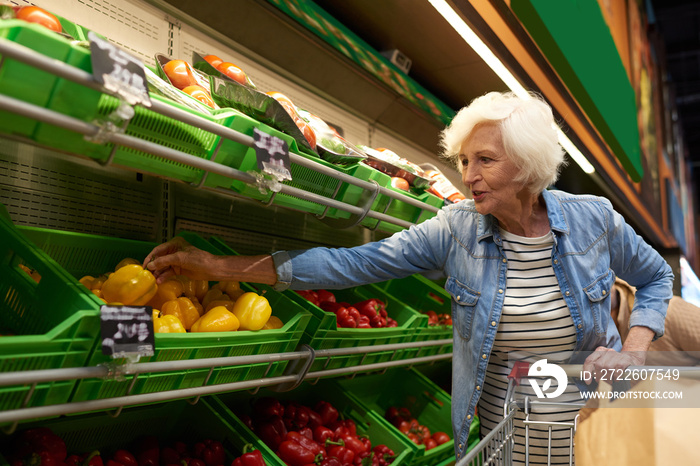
502	72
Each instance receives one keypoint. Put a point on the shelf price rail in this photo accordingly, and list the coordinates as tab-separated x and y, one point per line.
18	52
294	375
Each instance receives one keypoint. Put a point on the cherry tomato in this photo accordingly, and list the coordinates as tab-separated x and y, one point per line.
233	72
199	93
213	60
179	74
399	183
34	14
429	443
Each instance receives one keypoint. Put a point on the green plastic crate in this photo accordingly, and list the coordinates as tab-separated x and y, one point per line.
169	422
83	254
322	331
408	388
46	325
424	295
25	82
404	211
236	404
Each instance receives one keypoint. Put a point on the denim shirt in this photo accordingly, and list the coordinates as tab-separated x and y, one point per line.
592	244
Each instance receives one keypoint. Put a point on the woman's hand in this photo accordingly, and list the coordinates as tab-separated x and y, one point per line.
178	257
606	361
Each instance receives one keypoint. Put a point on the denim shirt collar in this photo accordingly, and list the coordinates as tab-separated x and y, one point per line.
488	225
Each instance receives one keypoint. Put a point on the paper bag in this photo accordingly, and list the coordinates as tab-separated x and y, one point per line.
641	432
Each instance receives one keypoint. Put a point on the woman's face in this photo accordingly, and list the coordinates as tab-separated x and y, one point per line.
488	172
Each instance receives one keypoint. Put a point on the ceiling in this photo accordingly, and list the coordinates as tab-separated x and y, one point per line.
678	23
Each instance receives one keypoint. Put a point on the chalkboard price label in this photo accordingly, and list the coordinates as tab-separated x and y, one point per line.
118	71
127	331
272	154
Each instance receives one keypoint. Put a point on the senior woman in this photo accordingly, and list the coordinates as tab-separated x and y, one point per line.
527	268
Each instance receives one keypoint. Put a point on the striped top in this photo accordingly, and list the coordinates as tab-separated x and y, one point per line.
535	319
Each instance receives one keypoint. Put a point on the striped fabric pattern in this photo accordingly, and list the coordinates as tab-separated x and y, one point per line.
535	319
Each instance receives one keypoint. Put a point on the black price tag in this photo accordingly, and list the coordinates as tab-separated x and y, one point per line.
127	331
272	154
118	71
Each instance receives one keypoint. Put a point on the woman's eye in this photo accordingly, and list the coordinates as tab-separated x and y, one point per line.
464	162
485	159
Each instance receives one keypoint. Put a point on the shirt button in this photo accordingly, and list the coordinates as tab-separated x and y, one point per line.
500	291
483	356
556	261
604	292
504	261
458	298
460	445
469	416
567	293
580	326
478	387
493	323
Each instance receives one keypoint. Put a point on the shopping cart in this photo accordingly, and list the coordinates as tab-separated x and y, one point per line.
496	448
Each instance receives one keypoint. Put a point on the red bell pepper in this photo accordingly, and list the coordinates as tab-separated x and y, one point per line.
354	443
325	295
369	307
296	416
341	452
40	446
367	458
314	419
148	451
267	407
210	451
377	321
385	454
125	458
322	433
168	455
363	322
391	322
250	457
297	454
309	295
327	411
331	462
92	459
272	432
354	313
343	317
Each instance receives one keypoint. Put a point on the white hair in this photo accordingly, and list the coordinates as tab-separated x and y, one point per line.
529	135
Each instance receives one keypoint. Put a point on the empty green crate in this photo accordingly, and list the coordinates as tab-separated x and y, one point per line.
424	295
237	404
168	422
405	211
51	324
322	331
408	388
25	82
82	254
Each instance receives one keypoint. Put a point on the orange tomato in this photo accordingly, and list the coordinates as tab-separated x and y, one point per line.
199	93
307	131
233	72
399	183
34	14
213	60
179	73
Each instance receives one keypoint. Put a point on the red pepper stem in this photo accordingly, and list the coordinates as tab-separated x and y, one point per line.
339	443
89	457
318	459
248	448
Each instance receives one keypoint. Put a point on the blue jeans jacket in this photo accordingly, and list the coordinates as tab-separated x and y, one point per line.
592	244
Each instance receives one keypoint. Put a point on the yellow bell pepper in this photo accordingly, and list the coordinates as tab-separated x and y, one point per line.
197	305
87	281
126	261
273	322
98	282
166	323
227	303
131	285
252	311
231	287
193	288
169	290
183	309
219	319
214	294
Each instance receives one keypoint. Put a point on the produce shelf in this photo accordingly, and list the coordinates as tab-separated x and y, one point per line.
38	112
